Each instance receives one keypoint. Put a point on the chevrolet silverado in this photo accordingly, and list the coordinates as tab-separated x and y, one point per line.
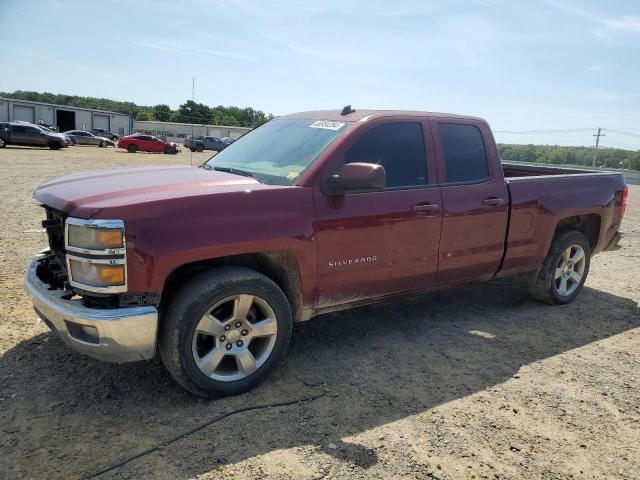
313	212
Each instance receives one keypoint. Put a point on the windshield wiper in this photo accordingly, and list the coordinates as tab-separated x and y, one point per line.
235	171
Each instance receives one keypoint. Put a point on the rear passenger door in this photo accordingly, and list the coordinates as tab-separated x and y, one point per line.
474	198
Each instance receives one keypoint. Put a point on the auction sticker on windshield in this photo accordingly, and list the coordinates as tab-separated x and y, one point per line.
327	125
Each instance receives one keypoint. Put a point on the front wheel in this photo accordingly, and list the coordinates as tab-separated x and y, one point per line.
55	145
563	271
3	143
224	331
200	148
102	144
168	150
132	148
72	142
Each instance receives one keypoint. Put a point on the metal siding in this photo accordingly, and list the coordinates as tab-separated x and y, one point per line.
45	113
83	120
4	111
25	113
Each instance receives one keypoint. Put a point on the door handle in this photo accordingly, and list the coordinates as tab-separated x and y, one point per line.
493	201
426	207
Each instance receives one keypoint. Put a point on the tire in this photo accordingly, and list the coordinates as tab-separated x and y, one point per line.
168	150
564	271
72	142
54	145
200	148
192	149
183	351
132	148
3	143
102	144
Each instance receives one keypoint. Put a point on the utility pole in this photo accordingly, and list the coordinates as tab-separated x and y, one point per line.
193	89
597	135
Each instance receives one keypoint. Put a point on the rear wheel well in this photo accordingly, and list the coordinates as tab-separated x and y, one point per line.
278	265
588	225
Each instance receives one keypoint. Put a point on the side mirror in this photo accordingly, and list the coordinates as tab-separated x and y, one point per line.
355	178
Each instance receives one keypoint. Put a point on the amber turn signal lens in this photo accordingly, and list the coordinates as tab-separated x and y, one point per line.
110	237
112	275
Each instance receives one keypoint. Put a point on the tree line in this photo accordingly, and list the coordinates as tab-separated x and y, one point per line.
607	157
193	112
188	112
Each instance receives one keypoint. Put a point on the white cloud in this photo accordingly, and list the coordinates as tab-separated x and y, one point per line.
626	23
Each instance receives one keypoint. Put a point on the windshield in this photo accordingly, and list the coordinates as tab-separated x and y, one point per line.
279	151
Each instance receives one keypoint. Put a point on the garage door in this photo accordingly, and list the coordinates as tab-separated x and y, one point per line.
101	121
24	113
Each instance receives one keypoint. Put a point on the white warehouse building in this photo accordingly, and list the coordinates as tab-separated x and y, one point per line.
63	117
177	132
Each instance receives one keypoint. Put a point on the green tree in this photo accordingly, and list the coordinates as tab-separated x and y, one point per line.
162	112
192	112
144	115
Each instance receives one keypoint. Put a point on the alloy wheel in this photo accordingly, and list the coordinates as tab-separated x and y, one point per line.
570	270
234	338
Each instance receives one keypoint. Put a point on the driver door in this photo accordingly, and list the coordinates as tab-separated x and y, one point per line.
378	243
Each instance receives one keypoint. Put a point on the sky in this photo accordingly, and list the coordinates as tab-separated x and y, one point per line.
525	66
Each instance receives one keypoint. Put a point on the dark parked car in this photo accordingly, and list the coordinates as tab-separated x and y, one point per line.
206	143
101	132
29	134
82	137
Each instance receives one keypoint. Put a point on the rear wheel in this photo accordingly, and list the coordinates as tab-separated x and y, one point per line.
200	148
3	143
224	331
132	148
55	145
564	270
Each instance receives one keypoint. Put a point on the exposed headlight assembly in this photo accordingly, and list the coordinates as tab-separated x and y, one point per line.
96	255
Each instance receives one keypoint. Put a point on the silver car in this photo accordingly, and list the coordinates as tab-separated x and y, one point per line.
82	137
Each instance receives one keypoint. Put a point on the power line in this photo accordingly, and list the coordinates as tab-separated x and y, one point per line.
566	130
635	135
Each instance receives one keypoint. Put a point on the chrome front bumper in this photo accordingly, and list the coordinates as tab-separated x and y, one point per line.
113	335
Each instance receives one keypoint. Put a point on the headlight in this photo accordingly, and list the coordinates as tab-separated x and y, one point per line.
95	238
89	273
96	255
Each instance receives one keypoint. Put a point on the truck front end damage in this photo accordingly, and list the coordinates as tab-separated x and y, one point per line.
75	287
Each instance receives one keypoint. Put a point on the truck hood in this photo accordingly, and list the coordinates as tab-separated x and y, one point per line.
84	194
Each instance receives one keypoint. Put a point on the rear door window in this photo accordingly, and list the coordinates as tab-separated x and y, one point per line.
465	156
399	147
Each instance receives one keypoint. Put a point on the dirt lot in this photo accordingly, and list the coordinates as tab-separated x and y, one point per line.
477	382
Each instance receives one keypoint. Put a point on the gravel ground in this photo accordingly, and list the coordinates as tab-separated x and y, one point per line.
476	382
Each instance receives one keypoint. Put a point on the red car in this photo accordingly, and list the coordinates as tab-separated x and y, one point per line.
146	143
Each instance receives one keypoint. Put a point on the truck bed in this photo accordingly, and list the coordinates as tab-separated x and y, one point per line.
542	197
512	170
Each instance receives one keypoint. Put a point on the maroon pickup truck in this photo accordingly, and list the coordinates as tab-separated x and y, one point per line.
310	213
